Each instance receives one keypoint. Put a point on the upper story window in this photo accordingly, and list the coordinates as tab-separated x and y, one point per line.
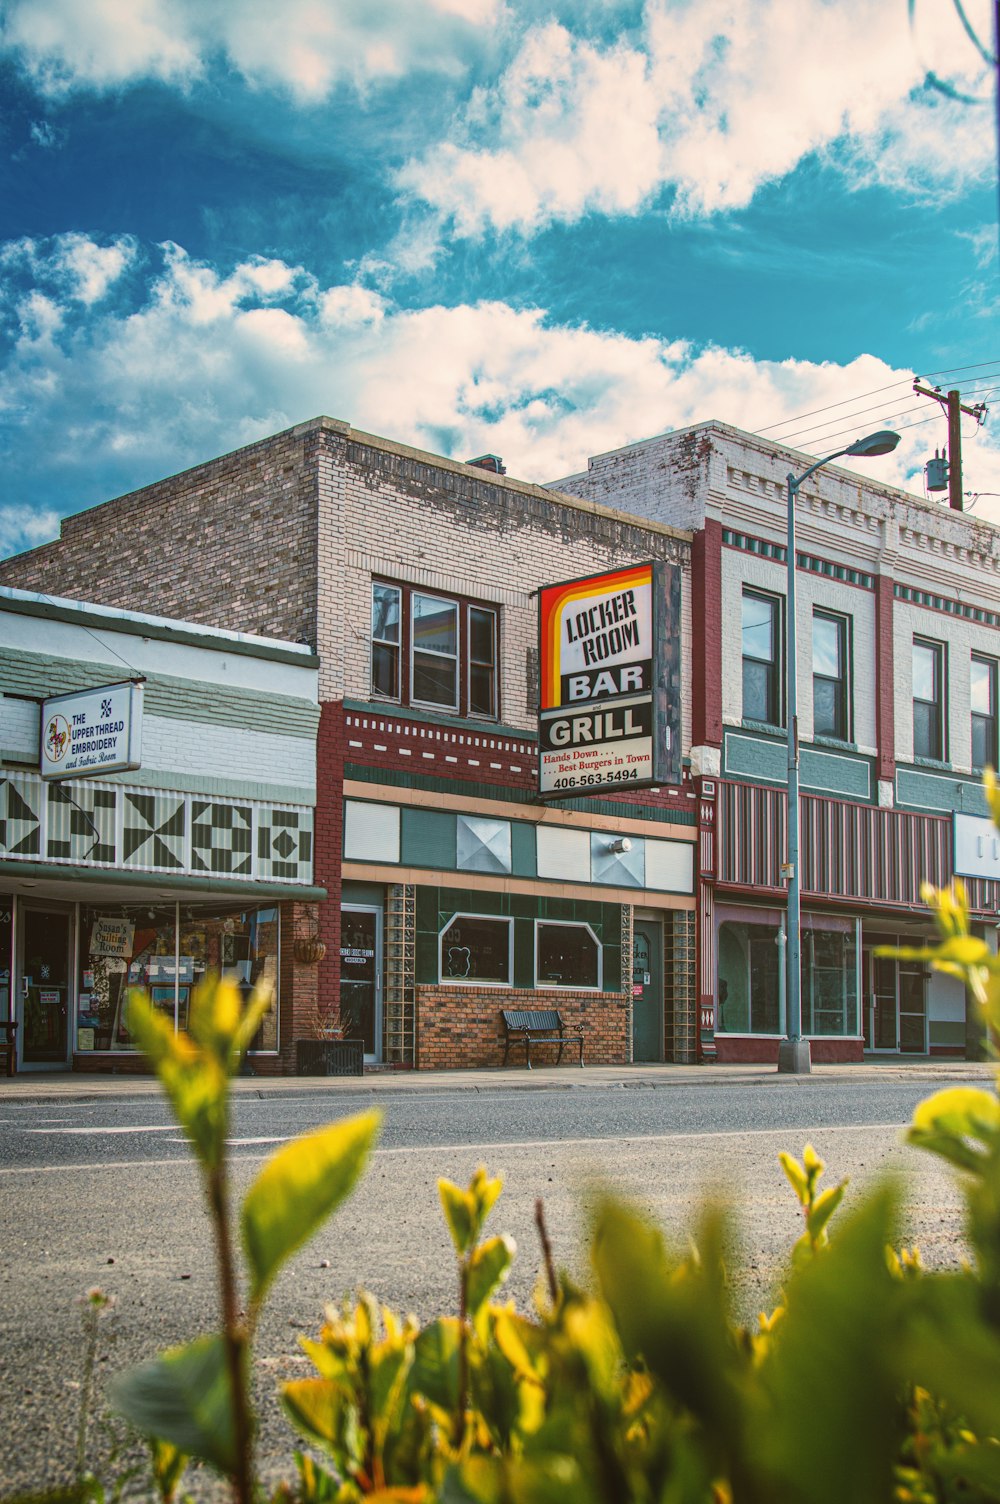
984	712
831	677
928	699
434	650
761	658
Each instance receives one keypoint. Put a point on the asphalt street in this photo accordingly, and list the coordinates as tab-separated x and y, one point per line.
102	1192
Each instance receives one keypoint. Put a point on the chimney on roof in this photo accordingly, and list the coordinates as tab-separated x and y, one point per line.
491	462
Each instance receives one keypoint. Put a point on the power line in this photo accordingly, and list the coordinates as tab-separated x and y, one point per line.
890	386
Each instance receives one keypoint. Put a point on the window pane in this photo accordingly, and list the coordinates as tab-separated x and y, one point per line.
983	678
567	956
984	741
925	678
827	640
435	625
477	950
435	680
481	636
829	982
385	670
827	700
385	613
925	730
758	628
758	692
481	685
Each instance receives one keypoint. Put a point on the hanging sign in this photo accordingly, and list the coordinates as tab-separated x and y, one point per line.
92	731
609	657
112	937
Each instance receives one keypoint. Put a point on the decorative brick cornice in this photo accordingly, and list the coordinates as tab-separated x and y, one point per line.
764	548
946	605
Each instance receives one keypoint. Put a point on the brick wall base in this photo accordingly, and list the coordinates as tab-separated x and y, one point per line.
762	1051
459	1028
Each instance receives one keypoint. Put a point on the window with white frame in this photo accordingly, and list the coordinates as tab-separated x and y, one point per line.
831	676
762	697
928	700
984	711
477	949
566	955
434	650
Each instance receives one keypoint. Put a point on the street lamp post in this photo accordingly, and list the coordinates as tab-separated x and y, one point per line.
793	1051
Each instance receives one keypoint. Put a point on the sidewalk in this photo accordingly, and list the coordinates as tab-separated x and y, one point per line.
67	1087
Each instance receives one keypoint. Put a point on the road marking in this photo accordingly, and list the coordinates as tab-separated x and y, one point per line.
785	1134
138	1128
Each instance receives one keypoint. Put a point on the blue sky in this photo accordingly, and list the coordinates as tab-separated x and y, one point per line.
543	230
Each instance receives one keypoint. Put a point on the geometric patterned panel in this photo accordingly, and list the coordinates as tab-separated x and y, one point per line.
483	845
20	816
284	844
81	823
141	830
154	832
221	838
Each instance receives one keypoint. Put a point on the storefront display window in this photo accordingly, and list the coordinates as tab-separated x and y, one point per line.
146	947
475	949
749	992
567	955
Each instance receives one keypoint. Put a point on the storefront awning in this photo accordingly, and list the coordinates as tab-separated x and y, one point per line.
66	883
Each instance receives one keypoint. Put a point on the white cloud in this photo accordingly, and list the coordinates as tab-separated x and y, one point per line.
21	527
71	264
712	101
210	361
306	47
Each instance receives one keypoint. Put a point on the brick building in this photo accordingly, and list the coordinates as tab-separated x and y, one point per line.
453	891
898	653
196	854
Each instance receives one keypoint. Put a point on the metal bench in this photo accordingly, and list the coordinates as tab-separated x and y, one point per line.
530	1026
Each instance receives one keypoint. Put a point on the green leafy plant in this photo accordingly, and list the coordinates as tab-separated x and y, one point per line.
195	1398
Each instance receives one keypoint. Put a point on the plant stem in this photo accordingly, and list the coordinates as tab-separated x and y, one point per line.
89	1357
234	1336
550	1268
463	1351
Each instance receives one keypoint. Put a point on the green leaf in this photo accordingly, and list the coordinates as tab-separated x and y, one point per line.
824	1207
796	1175
459	1213
488	1267
315	1407
961	1109
297	1190
184	1397
168	1464
195	1082
435	1366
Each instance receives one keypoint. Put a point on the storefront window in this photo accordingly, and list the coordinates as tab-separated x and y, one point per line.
475	949
567	955
749	993
142	947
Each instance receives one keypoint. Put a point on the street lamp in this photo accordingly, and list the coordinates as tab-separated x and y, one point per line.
793	1051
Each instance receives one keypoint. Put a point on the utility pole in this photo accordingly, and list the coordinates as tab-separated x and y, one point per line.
954	407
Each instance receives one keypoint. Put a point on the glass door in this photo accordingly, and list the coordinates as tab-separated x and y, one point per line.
647	991
43	986
361	976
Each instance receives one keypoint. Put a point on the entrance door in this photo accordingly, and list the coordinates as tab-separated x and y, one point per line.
647	990
43	986
896	1004
361	976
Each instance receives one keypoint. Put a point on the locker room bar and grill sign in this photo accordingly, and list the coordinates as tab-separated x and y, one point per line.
609	717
